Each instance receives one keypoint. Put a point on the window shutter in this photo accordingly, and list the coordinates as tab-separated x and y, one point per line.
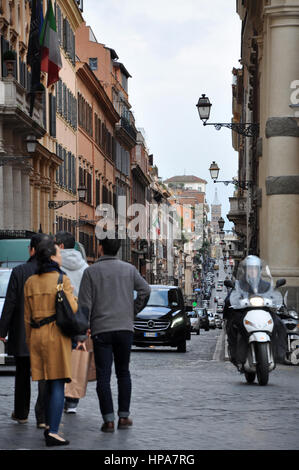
52	116
64	168
60	170
44	105
69	167
74	174
59	96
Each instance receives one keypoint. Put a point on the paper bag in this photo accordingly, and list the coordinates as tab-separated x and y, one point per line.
91	376
80	367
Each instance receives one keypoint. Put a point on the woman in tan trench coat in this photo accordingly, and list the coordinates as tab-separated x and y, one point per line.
50	350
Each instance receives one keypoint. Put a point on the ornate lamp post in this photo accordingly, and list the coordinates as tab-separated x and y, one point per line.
214	172
82	190
246	129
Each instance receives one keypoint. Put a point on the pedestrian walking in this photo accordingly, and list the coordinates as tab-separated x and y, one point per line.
50	350
107	291
12	324
73	265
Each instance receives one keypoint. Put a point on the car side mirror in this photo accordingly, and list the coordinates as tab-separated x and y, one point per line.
229	283
280	282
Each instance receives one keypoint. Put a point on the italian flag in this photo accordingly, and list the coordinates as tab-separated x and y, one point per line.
50	51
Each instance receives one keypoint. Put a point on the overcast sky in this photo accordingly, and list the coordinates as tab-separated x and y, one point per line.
176	50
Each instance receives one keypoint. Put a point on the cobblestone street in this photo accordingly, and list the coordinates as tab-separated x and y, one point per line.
192	401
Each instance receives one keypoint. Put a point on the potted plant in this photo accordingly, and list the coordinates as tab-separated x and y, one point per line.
9	58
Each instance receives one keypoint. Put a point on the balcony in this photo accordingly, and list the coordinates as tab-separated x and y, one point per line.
126	132
238	209
15	118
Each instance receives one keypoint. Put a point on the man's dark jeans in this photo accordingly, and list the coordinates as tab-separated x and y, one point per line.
117	345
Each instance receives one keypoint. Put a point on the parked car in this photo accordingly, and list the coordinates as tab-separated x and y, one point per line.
203	318
4	280
194	320
164	320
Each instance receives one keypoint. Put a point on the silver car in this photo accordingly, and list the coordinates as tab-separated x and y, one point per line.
4	280
194	321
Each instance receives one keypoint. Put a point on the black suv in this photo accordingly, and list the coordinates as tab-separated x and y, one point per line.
164	321
203	318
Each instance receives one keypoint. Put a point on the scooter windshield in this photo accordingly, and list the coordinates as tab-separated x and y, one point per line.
254	282
254	276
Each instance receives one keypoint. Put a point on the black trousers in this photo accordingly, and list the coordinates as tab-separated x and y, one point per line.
23	391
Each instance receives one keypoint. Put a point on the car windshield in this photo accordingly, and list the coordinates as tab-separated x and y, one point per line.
163	298
192	314
4	279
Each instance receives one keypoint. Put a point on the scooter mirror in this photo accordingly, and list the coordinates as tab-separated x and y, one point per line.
280	282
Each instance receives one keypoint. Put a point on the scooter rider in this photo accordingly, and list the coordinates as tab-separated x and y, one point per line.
252	283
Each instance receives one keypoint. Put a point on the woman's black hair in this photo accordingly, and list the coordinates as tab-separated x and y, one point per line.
45	250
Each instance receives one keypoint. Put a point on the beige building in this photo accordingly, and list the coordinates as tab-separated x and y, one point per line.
265	91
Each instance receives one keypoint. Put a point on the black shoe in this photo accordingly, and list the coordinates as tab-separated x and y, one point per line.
124	423
52	441
108	426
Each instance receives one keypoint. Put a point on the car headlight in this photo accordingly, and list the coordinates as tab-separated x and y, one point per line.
293	314
177	321
256	301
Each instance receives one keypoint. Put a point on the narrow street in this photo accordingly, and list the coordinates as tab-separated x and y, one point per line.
180	401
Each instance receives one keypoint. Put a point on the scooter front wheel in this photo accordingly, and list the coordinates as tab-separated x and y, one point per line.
262	366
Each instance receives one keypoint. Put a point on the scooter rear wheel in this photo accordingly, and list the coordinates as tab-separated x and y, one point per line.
262	366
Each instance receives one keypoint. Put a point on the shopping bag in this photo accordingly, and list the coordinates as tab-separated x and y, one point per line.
80	367
91	376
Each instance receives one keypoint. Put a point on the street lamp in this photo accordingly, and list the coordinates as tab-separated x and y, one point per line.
214	172
204	108
221	223
31	143
82	190
245	129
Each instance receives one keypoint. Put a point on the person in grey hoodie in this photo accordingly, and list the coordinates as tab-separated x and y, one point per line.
107	291
74	265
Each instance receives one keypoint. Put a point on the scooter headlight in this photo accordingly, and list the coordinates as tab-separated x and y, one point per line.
293	314
256	301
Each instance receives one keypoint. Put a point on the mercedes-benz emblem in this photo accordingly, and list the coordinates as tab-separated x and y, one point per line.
151	324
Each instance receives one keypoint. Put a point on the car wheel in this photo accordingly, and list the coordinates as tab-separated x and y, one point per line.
182	346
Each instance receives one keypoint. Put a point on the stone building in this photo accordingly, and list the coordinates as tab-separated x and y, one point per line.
265	92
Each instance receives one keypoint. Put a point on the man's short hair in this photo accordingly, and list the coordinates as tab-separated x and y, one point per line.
110	244
36	239
66	238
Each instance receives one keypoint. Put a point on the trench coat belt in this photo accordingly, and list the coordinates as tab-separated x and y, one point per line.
45	321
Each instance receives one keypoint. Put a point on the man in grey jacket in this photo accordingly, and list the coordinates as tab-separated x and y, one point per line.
107	290
74	266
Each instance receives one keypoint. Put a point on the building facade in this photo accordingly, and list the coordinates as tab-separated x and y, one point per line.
265	93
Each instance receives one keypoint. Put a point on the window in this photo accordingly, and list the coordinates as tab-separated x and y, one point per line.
93	63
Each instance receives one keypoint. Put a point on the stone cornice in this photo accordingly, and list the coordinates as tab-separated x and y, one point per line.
94	85
72	12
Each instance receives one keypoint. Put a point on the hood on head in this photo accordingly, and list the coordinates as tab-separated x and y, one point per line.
72	259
